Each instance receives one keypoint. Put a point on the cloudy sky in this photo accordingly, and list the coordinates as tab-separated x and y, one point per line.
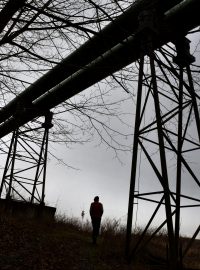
100	173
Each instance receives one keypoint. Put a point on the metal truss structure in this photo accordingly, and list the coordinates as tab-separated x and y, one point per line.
167	133
24	174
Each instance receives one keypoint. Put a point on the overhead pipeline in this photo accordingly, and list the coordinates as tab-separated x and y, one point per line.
114	33
176	22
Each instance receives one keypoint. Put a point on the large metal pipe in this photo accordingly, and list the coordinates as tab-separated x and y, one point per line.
113	60
111	35
122	54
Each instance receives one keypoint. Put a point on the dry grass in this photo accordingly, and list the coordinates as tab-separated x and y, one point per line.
66	244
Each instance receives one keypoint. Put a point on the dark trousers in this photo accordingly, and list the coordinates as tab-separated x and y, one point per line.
96	222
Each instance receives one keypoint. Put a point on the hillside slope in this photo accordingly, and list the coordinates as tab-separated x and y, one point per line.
28	245
66	245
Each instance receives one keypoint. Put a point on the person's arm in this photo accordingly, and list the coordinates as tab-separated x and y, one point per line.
102	209
91	210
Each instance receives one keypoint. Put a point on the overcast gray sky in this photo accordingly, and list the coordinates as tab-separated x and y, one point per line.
100	173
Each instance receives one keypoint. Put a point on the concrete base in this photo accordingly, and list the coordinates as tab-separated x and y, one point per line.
26	210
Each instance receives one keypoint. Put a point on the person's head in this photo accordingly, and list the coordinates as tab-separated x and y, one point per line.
96	198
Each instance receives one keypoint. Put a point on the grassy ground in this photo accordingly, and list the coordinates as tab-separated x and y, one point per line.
66	244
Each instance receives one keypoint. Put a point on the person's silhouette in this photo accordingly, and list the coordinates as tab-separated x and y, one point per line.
96	212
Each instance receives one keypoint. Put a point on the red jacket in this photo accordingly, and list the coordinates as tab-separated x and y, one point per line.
96	210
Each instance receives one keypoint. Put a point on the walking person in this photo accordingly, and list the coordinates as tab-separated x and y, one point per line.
96	212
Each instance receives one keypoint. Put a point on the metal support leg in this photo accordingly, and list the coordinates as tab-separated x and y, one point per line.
7	163
8	195
172	251
42	161
179	161
45	166
134	159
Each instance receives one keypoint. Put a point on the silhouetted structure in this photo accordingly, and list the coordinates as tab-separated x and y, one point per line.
22	189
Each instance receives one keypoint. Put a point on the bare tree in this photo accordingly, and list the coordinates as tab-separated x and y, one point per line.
36	36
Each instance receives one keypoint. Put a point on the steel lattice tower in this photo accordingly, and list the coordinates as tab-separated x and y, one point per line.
24	174
167	130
